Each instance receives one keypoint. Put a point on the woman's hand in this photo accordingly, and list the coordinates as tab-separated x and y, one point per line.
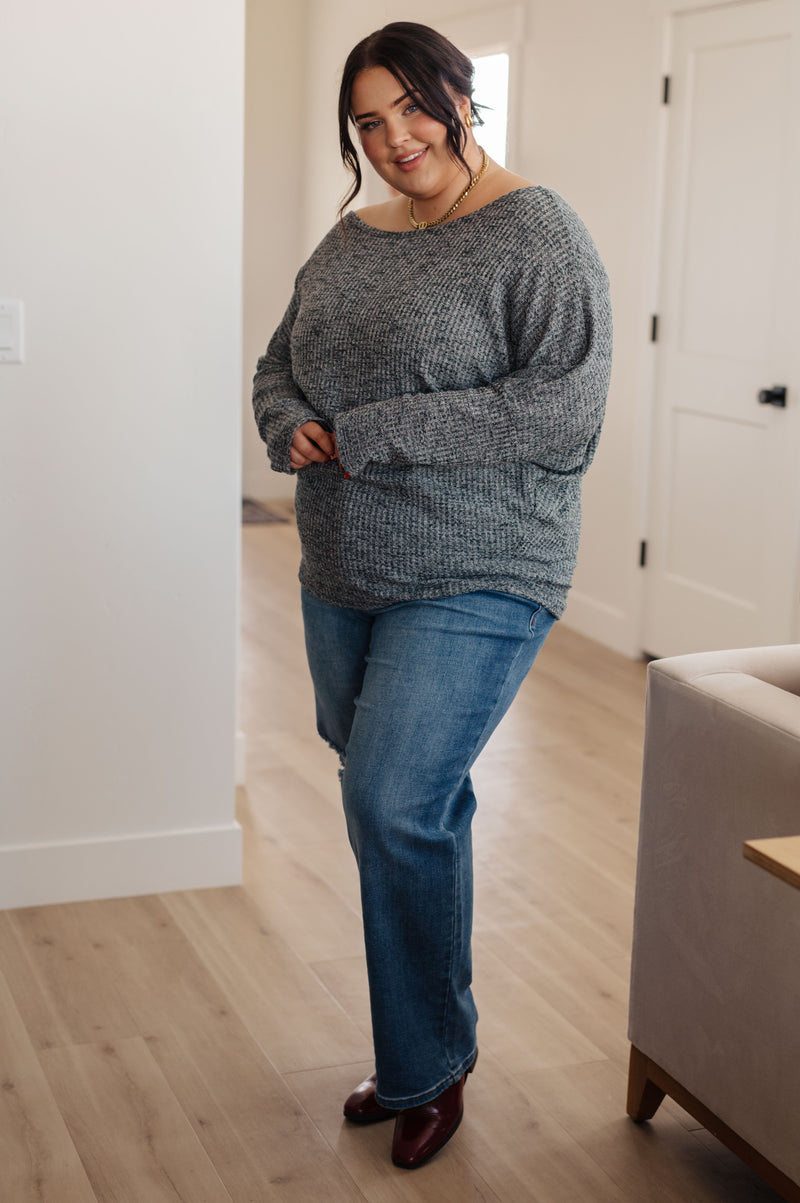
311	444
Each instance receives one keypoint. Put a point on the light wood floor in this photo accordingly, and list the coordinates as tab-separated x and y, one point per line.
198	1046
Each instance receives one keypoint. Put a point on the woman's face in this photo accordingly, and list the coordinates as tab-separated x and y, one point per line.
407	148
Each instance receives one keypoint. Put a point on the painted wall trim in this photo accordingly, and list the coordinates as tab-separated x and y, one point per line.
84	870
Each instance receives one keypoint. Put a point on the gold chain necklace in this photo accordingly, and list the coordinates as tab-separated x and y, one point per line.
424	225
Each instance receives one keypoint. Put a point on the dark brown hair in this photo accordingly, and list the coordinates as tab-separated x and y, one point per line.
424	63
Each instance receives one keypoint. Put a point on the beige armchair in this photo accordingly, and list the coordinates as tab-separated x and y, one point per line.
715	985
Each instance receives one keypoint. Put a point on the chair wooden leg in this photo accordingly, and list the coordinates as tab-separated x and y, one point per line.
644	1097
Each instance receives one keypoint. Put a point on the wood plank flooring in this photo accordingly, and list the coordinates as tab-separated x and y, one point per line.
198	1046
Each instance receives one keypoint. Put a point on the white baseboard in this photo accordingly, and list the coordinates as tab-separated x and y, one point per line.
79	871
603	623
240	752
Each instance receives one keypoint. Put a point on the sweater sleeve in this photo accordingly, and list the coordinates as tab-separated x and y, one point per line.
279	405
547	412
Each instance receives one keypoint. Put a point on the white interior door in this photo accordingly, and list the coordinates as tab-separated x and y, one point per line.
723	535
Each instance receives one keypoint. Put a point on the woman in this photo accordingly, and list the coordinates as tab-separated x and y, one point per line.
437	384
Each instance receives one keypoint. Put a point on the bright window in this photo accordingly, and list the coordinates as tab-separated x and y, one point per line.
491	90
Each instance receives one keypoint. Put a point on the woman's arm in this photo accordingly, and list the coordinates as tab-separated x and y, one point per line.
280	407
548	412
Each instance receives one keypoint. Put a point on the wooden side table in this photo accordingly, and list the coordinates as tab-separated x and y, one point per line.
780	855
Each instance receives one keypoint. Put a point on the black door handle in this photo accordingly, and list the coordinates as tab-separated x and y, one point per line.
773	396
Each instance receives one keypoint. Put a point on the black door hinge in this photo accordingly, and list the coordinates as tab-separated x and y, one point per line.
665	93
643	554
654	328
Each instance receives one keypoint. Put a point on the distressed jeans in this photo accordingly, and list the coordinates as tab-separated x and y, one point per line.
408	696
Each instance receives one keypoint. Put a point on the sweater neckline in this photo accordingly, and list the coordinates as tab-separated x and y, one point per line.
448	225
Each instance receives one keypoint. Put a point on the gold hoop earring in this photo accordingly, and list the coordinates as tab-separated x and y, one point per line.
468	121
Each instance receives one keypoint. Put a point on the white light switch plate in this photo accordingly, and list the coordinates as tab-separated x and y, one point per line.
11	313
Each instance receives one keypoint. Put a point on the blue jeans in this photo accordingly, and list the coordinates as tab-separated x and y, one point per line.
408	696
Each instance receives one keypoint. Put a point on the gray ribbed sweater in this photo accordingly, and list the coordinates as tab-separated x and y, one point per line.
464	370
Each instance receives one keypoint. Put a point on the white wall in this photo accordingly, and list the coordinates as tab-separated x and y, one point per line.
590	107
121	136
274	201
